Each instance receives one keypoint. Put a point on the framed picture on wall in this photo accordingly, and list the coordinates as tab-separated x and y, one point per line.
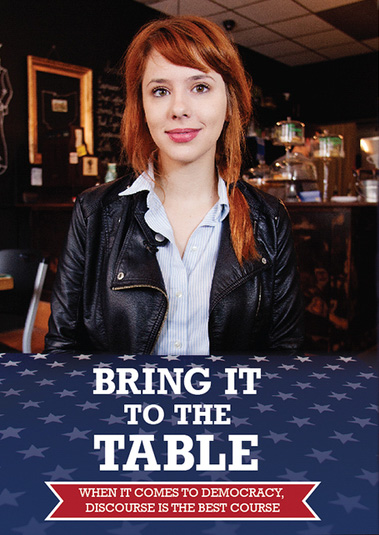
59	96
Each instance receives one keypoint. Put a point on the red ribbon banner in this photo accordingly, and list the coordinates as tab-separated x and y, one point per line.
182	501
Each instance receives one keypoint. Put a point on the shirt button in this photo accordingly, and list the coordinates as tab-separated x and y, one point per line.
159	238
179	294
178	344
120	276
264	261
194	248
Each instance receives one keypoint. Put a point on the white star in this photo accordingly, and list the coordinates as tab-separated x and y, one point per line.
215	359
11	363
319	375
83	357
367	375
284	396
333	367
362	421
88	405
263	408
288	367
46	382
259	359
278	437
11	392
321	408
33	451
271	375
39	356
169	358
347	359
11	432
114	419
127	357
66	393
349	503
303	386
354	386
77	434
27	372
76	373
321	456
344	437
300	421
52	418
303	359
240	421
60	473
55	364
371	477
30	403
339	397
9	498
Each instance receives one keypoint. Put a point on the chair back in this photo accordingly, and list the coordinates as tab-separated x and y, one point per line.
22	265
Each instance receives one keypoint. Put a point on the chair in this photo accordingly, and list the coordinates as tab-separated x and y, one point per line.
18	307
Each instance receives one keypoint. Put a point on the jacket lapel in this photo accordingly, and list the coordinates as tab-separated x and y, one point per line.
228	273
138	249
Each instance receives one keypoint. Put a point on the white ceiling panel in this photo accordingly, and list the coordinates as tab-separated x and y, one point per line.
322	5
278	49
316	41
187	7
256	36
372	43
301	26
341	51
233	4
272	11
308	30
304	58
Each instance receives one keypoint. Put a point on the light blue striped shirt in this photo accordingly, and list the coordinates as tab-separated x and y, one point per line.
187	280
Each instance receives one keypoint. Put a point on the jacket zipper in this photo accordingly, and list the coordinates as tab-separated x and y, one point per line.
259	299
154	288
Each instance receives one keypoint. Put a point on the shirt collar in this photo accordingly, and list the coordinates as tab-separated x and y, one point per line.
145	182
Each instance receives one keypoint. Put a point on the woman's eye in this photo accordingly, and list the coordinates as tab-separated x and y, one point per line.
201	88
160	92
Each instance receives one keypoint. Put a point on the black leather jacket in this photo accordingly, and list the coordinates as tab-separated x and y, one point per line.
109	294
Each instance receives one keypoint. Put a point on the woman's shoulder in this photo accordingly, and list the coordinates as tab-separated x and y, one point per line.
97	197
261	202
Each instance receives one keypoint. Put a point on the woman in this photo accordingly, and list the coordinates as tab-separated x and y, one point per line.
182	257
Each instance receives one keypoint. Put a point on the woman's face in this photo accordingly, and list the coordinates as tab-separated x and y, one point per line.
185	110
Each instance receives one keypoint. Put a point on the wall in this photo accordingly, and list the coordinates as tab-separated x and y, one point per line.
96	34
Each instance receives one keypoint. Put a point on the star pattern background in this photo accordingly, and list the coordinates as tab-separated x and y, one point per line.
316	420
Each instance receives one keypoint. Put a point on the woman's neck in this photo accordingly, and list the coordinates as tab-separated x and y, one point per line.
187	193
183	183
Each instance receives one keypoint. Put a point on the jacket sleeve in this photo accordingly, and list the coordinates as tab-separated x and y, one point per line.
287	328
65	323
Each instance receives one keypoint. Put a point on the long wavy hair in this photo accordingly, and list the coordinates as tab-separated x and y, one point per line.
199	44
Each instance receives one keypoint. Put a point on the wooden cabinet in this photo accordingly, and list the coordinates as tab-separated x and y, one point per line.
337	252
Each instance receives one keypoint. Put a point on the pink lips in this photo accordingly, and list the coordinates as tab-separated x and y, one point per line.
182	135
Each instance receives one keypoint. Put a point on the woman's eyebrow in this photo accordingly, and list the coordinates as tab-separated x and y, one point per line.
194	78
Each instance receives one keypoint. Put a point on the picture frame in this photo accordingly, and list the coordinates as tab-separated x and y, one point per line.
59	95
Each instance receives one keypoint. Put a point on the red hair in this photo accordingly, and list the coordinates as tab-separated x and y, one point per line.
200	44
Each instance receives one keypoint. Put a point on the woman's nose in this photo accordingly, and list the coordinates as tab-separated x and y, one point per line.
180	105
